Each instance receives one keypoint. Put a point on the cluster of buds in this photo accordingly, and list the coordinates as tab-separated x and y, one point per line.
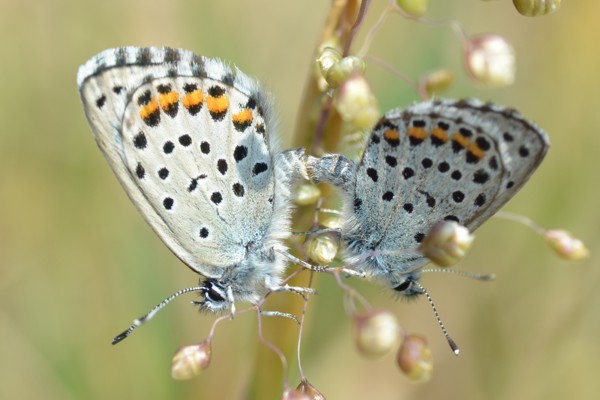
354	100
377	333
334	68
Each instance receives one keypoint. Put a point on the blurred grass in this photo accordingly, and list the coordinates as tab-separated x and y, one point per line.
78	263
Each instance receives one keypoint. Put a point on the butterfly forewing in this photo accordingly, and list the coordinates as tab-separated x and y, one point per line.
436	160
188	139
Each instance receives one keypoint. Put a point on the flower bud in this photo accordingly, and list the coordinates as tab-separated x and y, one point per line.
535	8
328	57
189	361
376	333
437	81
565	245
341	70
490	59
446	243
414	358
413	7
295	395
308	389
322	248
306	193
356	103
330	220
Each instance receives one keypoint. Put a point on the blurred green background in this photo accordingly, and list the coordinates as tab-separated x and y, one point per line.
78	263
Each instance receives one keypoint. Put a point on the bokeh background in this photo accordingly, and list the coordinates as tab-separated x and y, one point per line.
78	263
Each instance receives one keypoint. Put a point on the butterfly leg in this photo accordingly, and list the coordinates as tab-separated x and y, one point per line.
280	314
322	268
294	289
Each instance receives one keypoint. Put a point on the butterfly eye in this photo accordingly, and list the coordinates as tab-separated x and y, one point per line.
214	292
403	286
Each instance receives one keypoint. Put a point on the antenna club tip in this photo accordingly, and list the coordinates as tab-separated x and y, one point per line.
119	338
453	346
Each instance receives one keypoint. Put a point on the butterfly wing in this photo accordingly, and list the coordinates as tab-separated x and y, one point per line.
437	160
189	140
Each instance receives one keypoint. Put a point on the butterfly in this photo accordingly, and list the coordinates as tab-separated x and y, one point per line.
193	143
453	160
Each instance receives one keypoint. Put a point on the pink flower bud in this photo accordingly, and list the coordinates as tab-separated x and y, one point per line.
414	358
490	59
565	245
376	332
356	103
322	248
446	243
189	361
